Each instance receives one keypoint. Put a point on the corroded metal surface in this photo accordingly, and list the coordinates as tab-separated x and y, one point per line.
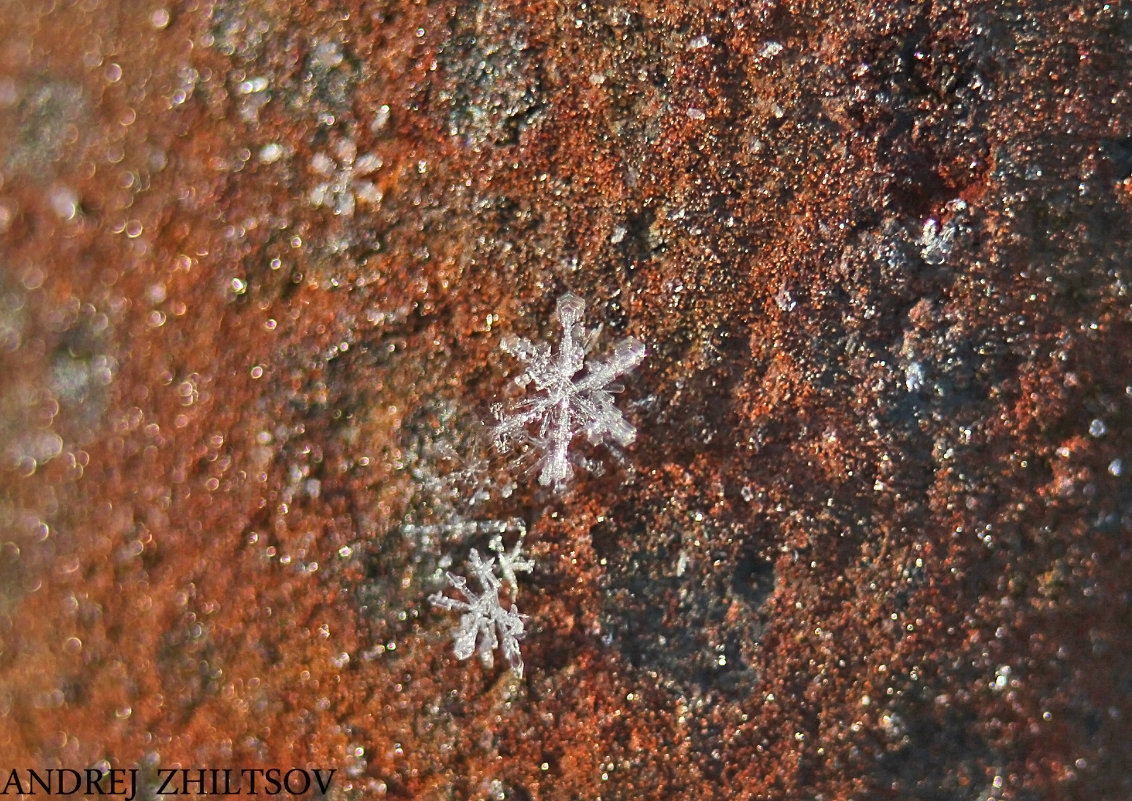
872	539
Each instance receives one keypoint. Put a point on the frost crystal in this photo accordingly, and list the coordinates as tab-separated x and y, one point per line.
343	185
566	401
511	562
484	619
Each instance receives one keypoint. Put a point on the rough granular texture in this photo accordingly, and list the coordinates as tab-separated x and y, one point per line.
873	539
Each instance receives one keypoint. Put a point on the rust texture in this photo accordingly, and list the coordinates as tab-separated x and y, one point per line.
873	539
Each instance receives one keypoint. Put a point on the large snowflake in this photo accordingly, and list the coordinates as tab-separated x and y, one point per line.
570	396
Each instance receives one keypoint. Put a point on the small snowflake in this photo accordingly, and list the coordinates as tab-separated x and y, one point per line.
484	620
571	396
344	185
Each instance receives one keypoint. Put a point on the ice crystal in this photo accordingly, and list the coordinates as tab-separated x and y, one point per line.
570	395
938	241
343	185
484	625
512	561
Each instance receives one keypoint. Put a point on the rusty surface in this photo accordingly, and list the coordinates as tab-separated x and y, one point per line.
873	540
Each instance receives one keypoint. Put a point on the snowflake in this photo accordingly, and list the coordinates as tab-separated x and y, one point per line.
484	620
342	186
564	403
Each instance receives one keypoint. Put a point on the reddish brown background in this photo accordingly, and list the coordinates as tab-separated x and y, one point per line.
903	531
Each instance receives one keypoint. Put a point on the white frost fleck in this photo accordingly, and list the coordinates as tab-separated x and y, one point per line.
343	185
914	377
270	153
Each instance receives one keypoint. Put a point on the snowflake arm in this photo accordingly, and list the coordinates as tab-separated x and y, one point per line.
595	393
484	624
511	562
